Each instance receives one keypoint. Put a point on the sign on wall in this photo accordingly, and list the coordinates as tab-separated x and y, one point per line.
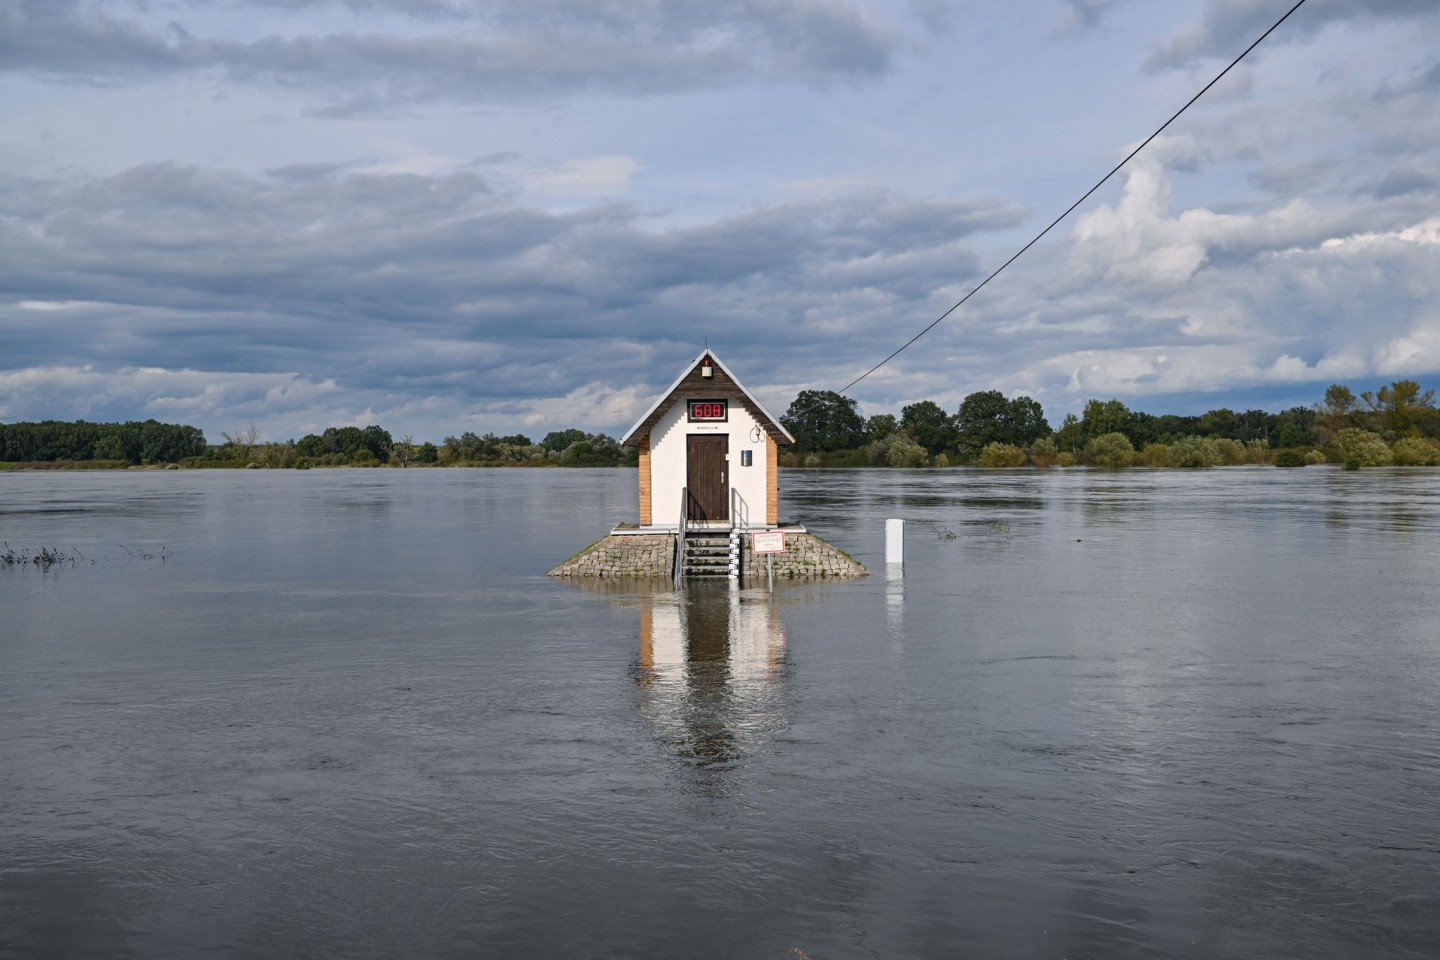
709	411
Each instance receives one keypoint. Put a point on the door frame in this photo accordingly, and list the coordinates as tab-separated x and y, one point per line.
721	487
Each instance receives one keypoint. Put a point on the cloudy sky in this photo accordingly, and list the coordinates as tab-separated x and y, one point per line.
523	215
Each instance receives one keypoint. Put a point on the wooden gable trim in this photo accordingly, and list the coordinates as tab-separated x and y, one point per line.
719	385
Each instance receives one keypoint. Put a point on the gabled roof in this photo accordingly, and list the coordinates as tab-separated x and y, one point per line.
721	383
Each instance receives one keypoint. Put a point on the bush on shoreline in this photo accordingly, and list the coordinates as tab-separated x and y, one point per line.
998	454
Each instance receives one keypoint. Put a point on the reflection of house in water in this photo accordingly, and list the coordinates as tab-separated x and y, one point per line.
711	667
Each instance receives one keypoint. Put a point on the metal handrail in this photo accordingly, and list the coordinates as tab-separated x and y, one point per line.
681	528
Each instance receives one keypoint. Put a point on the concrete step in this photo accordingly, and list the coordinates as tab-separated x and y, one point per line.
711	555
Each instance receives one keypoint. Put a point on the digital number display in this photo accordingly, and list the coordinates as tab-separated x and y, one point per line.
711	410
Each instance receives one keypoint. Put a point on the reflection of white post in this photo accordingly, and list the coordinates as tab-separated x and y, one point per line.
895	541
895	600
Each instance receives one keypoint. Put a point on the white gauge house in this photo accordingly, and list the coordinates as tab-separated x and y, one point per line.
709	453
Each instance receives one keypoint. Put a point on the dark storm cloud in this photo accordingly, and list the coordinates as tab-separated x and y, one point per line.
459	52
1404	179
402	281
1227	26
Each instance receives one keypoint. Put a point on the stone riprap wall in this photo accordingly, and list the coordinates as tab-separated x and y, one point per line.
806	557
634	555
652	556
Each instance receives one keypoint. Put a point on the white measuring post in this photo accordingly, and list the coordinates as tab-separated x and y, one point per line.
895	542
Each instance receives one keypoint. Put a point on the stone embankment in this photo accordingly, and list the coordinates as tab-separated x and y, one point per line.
806	557
630	555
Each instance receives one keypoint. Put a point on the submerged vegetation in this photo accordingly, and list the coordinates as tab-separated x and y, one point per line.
42	557
1398	424
47	557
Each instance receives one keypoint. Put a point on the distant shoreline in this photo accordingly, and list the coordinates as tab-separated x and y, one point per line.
11	466
99	465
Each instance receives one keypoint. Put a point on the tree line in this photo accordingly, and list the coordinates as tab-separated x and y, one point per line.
153	443
1399	424
132	442
374	446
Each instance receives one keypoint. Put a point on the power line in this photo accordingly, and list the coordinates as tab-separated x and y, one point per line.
1068	210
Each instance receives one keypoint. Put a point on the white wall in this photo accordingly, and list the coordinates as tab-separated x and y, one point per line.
667	460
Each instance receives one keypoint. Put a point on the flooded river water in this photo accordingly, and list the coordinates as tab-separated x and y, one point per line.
344	713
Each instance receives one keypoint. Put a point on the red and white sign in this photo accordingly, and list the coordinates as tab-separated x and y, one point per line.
709	411
768	541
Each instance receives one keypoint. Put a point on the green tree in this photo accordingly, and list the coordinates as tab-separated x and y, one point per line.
1294	428
109	447
1400	407
983	417
1071	435
1141	428
1362	448
823	420
1044	452
469	447
1113	450
1254	425
929	425
1104	416
378	441
1415	452
560	439
881	426
342	441
596	450
1156	454
898	450
1027	422
997	454
1334	413
1169	427
1232	452
1194	452
1218	423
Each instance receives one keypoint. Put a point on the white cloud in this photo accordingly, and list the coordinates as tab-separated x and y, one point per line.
595	407
588	178
1414	353
49	305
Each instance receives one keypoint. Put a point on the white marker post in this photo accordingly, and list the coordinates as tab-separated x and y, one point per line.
895	542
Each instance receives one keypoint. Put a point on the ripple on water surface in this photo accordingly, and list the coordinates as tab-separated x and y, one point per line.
1100	715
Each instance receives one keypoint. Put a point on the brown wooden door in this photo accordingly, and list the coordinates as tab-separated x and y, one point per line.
706	476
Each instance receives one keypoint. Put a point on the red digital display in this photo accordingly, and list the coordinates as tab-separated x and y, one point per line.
709	410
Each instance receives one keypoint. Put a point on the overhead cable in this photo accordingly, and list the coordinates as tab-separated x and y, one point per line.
1068	210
